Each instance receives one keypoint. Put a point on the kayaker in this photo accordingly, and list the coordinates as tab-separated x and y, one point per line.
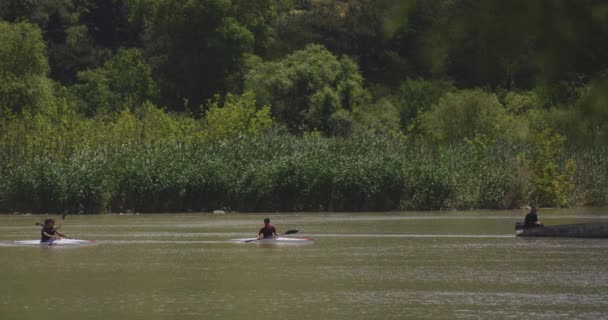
49	231
531	220
268	230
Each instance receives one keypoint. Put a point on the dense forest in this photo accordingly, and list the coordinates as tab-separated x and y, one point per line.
292	105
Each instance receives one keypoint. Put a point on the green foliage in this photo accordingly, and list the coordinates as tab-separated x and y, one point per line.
520	103
486	175
592	116
259	17
77	33
23	51
60	132
591	183
23	69
238	116
354	28
124	81
550	184
273	172
428	188
543	41
197	49
36	187
381	117
307	87
415	97
583	121
101	143
464	115
53	132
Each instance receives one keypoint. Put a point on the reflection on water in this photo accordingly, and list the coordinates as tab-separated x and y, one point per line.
361	266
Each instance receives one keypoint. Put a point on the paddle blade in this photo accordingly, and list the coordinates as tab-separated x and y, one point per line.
291	231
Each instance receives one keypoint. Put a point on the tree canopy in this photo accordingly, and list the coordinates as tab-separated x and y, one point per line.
308	87
23	68
336	67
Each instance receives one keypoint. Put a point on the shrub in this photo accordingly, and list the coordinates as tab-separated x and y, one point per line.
465	114
551	184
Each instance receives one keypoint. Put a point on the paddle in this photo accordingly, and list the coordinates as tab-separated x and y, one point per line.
290	231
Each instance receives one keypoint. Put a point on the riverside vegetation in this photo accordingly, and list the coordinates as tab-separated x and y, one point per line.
299	106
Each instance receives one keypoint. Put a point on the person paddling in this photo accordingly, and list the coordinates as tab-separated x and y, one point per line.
531	220
49	232
268	230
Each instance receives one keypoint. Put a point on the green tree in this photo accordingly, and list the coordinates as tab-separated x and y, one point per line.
237	116
23	69
551	184
307	87
79	34
464	115
415	97
260	18
381	117
515	44
355	28
584	122
196	48
124	81
593	113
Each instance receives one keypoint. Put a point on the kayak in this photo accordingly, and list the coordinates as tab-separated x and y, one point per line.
60	242
579	230
277	240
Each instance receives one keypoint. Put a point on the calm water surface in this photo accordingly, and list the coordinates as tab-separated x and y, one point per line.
432	265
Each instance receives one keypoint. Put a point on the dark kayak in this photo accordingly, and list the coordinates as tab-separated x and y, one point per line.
579	230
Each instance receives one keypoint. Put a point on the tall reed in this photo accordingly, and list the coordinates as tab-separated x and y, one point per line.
276	172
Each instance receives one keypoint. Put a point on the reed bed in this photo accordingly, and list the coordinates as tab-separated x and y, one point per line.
284	173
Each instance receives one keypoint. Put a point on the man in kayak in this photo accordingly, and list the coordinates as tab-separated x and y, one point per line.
531	220
268	230
49	233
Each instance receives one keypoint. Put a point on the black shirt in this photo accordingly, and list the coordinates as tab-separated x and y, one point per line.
531	218
47	230
268	232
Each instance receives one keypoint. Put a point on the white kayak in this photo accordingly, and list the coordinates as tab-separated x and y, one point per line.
60	242
277	240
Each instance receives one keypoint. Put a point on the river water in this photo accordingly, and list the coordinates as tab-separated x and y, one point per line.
431	265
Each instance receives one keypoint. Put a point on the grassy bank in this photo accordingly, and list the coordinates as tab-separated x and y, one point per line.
286	173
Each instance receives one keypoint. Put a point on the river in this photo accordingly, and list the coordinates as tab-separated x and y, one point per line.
410	265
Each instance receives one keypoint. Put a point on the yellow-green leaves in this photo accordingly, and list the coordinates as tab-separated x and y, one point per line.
237	116
22	50
551	184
